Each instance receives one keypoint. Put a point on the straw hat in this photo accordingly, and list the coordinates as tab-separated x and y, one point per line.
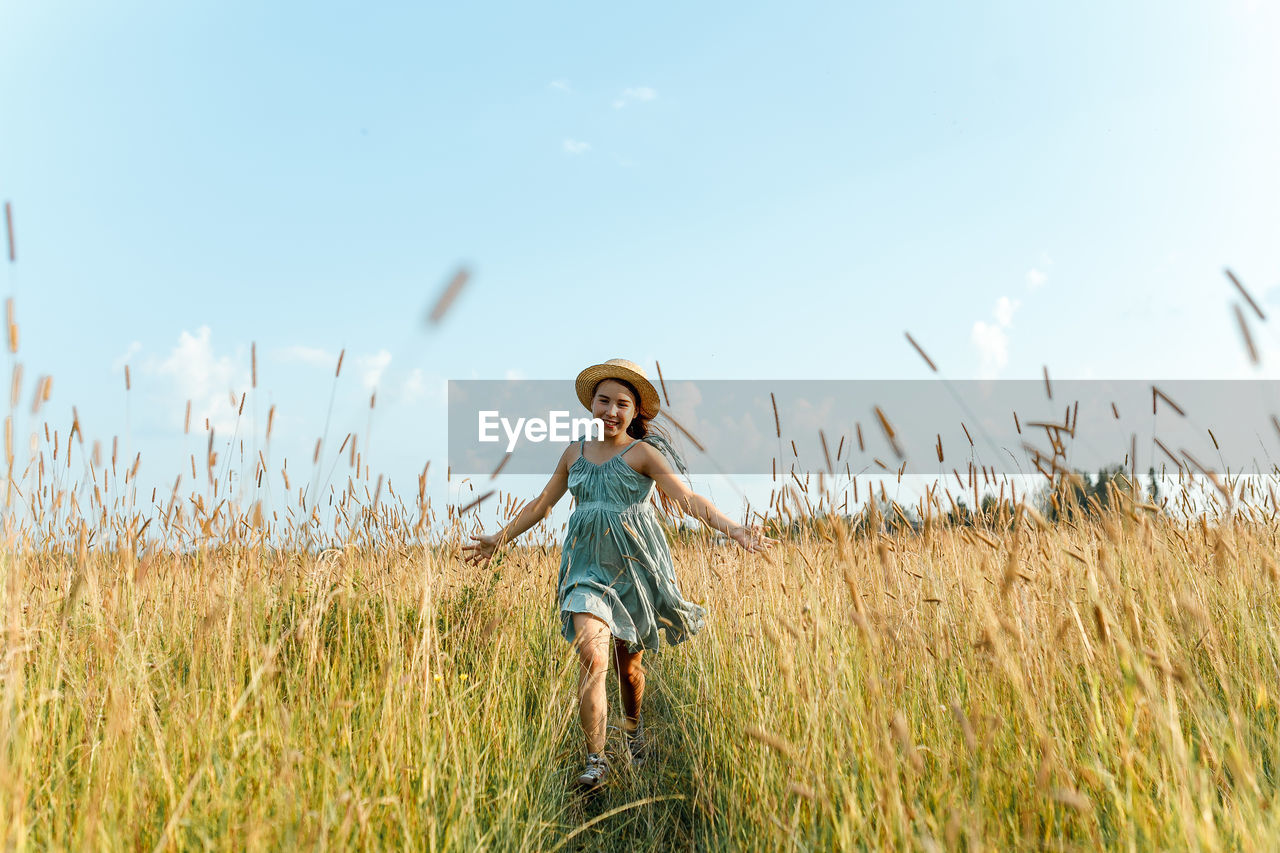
619	368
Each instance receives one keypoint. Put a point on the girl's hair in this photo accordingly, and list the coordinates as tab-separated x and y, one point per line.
640	427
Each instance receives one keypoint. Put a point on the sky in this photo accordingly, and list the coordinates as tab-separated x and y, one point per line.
745	191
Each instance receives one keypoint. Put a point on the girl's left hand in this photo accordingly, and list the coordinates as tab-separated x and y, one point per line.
481	550
752	540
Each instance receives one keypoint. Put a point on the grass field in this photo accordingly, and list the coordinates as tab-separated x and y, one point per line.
1110	682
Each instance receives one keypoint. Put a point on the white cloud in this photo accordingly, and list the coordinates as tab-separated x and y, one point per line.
308	355
208	380
684	396
574	146
991	339
513	373
561	85
1004	310
372	367
993	347
121	360
636	93
1038	276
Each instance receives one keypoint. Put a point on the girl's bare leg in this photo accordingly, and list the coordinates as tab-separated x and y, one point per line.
592	643
630	682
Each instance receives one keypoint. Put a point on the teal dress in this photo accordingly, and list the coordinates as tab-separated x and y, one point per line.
615	563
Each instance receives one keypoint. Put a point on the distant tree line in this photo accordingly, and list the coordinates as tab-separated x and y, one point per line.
1080	495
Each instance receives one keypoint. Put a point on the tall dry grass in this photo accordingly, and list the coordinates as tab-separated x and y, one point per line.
186	672
1109	682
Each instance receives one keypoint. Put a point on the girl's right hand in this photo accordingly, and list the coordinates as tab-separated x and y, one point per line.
482	550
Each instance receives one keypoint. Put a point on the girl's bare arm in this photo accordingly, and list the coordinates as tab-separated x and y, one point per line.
532	513
541	506
653	465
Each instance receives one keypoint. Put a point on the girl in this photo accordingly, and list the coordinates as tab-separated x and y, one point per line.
616	577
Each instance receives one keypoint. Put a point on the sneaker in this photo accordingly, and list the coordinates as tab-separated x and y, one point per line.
636	743
596	772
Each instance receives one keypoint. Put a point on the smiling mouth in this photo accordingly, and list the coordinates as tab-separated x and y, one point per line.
611	423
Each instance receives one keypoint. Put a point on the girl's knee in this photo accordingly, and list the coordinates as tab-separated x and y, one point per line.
594	663
592	655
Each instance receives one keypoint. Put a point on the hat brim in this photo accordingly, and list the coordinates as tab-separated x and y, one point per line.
587	380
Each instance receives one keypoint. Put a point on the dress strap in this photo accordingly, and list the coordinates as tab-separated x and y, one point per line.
582	443
629	446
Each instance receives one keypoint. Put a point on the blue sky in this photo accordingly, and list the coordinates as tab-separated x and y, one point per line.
740	191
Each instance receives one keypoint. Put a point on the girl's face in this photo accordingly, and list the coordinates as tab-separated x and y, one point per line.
614	405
